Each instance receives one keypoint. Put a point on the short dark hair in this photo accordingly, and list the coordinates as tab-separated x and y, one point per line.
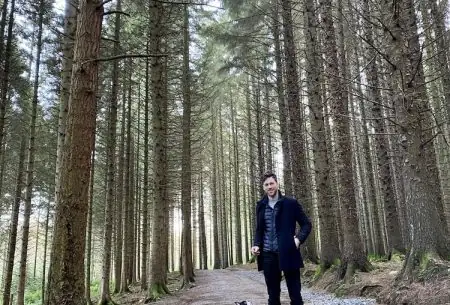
267	175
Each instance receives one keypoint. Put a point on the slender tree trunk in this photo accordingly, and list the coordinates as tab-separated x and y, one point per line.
119	203
44	264
214	196
36	246
237	190
4	73
204	249
186	175
145	203
225	244
66	284
30	163
87	281
127	203
105	295
282	109
14	224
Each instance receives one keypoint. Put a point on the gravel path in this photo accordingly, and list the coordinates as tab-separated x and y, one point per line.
224	287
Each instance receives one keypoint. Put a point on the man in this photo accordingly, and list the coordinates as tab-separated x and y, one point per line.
276	244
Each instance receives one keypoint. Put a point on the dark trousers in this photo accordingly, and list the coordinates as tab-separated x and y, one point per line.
272	275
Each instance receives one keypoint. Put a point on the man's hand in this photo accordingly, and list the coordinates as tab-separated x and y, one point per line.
255	250
297	242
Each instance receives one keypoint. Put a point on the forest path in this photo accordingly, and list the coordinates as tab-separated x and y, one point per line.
225	286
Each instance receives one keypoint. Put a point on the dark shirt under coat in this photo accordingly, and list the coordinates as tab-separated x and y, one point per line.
290	212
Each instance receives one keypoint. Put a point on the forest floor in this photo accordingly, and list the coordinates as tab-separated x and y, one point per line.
239	283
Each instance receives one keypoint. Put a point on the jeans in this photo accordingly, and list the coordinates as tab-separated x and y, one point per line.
272	275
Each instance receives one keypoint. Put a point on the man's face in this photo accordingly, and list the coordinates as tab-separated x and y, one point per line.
270	186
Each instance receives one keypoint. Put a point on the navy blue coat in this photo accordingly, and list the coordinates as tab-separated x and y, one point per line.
290	213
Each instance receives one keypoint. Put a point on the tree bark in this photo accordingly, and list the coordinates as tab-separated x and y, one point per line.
30	162
159	120
70	27
186	175
327	222
282	109
353	255
14	224
105	295
296	121
66	284
429	238
5	67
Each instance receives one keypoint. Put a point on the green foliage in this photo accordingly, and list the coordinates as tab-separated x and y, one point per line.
33	295
377	258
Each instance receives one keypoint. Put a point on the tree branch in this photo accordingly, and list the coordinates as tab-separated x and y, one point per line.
188	2
123	56
116	12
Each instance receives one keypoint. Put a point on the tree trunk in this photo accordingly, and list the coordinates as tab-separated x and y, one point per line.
87	281
296	121
201	212
429	238
14	224
327	221
70	27
159	120
30	163
214	196
66	284
353	256
44	264
392	220
105	295
4	73
237	190
145	203
119	203
127	203
282	110
186	175
225	244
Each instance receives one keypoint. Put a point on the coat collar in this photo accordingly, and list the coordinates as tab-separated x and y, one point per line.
265	198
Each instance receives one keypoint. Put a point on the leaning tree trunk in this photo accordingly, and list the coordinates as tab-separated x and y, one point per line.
420	174
105	295
186	175
30	163
66	276
327	221
353	256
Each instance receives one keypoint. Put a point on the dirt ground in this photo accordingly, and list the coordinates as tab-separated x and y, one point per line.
241	283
